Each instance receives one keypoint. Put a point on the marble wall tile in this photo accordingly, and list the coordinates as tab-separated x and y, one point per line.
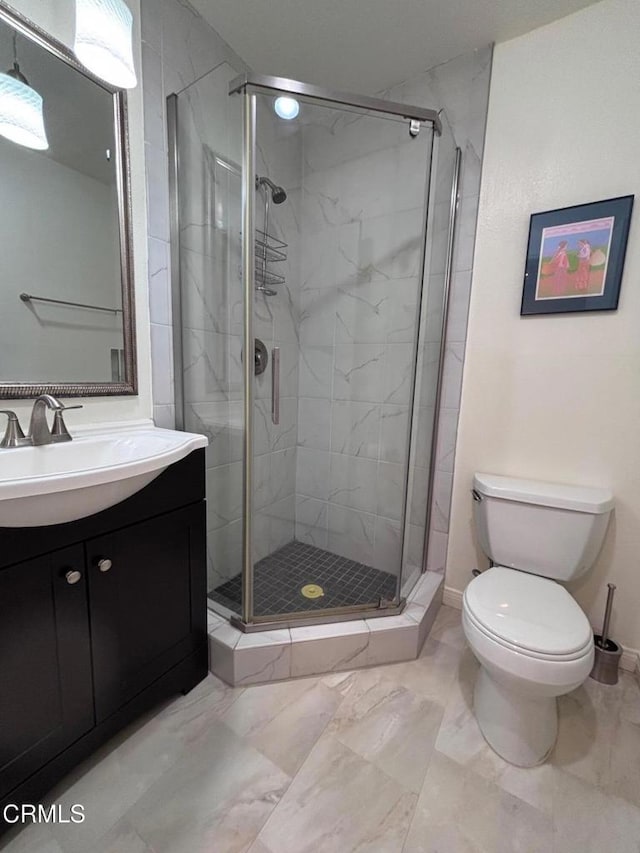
352	482
460	290
355	428
262	657
437	552
313	473
282	525
224	494
224	553
317	307
153	94
351	534
191	47
417	498
159	292
285	434
315	371
392	638
452	377
390	488
311	521
314	423
324	648
387	548
212	368
442	485
157	191
358	370
164	416
162	364
394	433
397	379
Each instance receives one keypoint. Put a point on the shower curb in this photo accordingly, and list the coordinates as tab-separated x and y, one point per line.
258	658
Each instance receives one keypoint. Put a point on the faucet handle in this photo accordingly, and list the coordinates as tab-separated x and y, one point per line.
13	437
59	431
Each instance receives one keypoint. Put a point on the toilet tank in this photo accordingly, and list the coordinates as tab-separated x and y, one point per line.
546	529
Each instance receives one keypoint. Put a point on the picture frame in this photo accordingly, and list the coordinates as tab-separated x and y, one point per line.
575	257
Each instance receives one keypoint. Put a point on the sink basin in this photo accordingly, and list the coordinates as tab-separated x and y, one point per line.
57	483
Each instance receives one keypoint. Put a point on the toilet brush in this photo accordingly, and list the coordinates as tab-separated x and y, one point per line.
607	653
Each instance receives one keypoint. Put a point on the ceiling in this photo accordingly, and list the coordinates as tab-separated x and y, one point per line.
369	45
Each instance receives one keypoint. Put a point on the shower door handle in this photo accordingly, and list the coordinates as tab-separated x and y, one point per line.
275	385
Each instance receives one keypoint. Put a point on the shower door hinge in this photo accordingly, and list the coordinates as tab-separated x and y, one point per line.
414	127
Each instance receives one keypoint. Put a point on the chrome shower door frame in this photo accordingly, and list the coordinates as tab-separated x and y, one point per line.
248	86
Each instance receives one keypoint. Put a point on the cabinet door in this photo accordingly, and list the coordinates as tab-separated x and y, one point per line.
46	699
147	591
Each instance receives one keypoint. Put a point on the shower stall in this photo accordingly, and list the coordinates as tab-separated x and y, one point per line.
312	237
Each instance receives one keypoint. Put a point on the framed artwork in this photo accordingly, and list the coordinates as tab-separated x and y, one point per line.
575	257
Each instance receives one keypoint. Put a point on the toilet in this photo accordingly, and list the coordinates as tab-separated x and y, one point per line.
533	641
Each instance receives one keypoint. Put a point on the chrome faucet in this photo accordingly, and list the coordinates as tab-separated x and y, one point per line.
39	432
13	437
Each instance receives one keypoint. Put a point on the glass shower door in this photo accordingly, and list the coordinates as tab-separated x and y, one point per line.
206	153
340	207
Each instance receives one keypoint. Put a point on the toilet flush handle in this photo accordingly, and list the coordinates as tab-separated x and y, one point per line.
476	495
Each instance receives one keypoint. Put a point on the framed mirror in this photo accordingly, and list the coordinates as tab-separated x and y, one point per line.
67	323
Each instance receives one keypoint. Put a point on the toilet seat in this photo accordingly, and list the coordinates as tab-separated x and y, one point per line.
527	614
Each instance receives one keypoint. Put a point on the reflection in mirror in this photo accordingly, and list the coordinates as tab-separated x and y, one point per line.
62	317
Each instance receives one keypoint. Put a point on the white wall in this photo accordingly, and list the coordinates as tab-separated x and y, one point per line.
557	397
57	17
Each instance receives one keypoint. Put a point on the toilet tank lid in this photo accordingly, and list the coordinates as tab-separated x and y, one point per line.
577	498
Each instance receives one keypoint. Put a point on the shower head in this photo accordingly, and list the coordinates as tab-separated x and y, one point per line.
278	194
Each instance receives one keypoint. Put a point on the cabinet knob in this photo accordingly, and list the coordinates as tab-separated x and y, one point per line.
73	576
104	565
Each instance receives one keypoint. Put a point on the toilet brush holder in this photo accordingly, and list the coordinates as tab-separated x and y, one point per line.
606	661
607	653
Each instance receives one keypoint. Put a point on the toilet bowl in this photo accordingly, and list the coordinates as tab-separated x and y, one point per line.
534	644
532	640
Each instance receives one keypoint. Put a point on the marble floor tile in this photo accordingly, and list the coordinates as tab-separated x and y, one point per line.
122	838
388	725
459	812
216	798
339	802
375	760
188	717
112	780
33	839
284	720
587	820
431	676
448	628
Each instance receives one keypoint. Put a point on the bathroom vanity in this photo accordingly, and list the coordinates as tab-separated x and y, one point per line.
100	618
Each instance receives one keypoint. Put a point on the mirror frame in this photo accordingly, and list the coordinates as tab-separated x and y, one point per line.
21	390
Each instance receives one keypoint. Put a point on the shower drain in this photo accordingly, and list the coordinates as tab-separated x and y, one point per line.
312	590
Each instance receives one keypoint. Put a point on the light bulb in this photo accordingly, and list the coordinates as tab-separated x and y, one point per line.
286	107
104	40
21	117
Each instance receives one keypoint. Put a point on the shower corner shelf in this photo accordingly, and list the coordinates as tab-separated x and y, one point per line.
269	250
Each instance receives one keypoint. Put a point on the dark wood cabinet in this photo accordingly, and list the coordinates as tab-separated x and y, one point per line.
46	699
144	617
95	632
